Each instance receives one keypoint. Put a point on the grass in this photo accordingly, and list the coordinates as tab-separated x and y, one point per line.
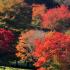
11	68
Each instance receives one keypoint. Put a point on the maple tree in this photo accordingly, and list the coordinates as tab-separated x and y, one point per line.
53	44
55	18
25	45
6	38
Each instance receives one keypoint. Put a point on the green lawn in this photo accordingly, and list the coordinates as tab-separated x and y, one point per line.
10	68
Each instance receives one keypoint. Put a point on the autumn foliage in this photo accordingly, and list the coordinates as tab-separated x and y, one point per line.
7	5
6	37
33	33
38	9
51	19
49	44
53	44
25	45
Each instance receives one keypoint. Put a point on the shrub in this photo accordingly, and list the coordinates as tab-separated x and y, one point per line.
6	38
25	45
54	44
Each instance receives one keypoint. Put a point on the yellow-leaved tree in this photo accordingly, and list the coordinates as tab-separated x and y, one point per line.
8	4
